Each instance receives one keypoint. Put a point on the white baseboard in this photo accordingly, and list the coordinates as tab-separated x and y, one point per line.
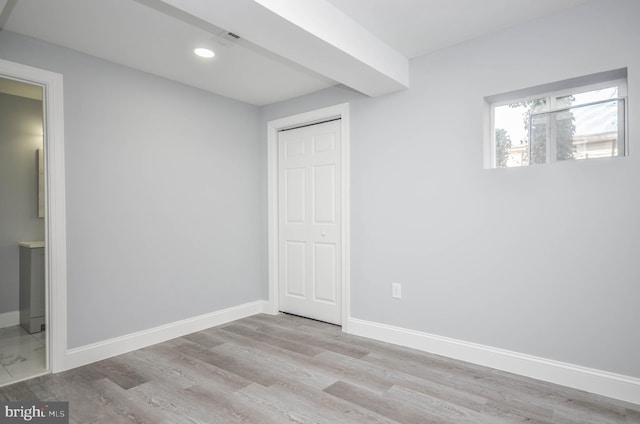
9	319
94	352
591	380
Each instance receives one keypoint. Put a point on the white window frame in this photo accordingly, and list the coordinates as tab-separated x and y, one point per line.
551	92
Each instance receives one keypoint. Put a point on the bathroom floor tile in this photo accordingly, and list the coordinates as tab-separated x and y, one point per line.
25	349
21	354
26	368
13	331
11	335
41	336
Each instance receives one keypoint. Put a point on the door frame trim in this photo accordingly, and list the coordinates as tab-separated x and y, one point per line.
338	111
55	206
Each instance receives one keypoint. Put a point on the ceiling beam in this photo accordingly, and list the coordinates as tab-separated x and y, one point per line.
313	34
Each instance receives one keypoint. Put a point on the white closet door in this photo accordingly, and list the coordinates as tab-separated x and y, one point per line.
309	184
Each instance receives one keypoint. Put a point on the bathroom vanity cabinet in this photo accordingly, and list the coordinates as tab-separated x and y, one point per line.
32	294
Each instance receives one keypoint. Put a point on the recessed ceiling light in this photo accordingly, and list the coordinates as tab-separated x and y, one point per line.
202	52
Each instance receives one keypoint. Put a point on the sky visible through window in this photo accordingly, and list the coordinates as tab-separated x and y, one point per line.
512	120
596	119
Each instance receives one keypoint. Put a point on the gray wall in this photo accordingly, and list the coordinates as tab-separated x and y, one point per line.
20	137
163	195
541	260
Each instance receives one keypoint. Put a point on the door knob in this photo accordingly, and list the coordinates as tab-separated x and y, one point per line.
323	234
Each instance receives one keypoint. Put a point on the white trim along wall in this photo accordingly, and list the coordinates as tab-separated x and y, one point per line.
94	352
55	220
591	380
338	111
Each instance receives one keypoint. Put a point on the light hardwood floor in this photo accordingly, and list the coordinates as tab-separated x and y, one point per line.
285	369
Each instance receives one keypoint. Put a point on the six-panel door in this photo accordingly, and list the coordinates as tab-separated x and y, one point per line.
309	182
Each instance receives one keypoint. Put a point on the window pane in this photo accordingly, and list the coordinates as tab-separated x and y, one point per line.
511	123
565	130
585	132
539	138
587	97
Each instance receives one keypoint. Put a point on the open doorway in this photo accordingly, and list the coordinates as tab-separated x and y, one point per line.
23	319
50	197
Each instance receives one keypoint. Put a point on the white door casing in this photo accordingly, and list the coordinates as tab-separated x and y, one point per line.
55	219
341	237
309	225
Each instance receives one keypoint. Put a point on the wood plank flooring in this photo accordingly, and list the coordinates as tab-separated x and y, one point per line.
284	369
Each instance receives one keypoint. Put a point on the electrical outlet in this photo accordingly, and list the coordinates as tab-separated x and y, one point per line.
396	290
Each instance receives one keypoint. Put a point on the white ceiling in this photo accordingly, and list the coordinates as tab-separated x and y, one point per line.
417	27
287	47
132	34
